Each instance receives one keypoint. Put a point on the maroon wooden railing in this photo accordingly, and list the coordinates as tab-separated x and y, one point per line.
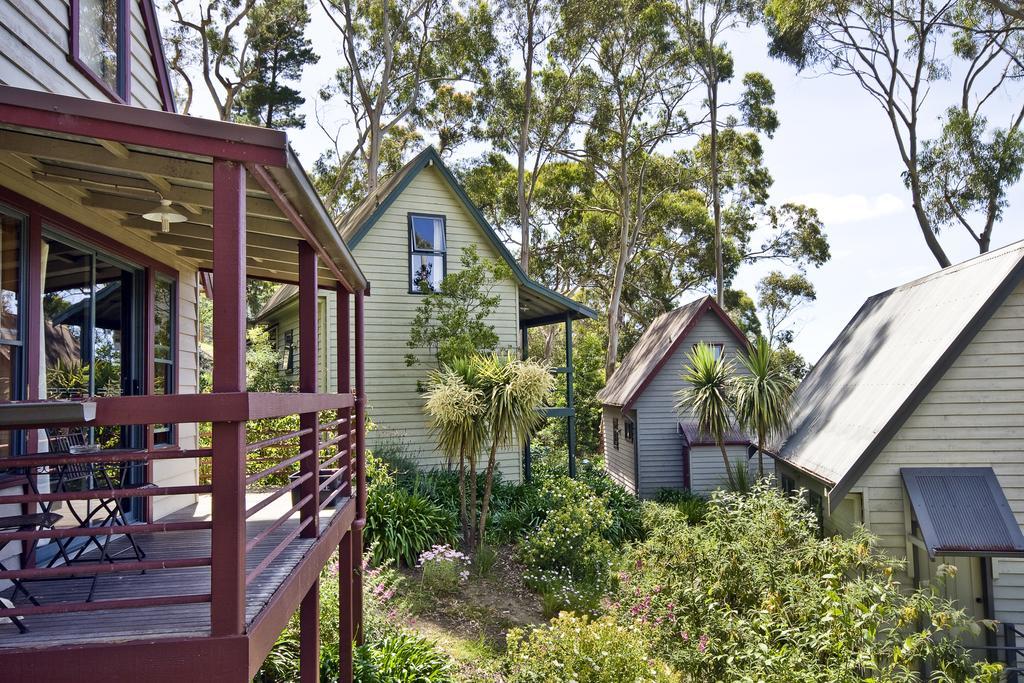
323	455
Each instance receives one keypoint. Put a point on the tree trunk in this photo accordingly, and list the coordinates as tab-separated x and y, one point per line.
488	484
463	513
728	465
524	141
373	158
923	221
615	304
471	533
716	198
760	456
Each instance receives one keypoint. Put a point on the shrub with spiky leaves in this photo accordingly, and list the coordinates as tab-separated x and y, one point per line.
485	400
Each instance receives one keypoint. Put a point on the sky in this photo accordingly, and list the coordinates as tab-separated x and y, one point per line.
834	151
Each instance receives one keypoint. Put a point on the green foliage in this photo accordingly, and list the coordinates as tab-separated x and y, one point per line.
400	657
454	322
753	594
706	394
401	524
261	362
969	169
577	648
568	558
483	400
762	396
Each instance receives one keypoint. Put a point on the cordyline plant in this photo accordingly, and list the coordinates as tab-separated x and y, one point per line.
707	395
484	401
762	397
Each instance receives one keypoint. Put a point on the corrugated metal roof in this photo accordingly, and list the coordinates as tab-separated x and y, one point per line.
886	360
695	437
655	346
652	346
962	511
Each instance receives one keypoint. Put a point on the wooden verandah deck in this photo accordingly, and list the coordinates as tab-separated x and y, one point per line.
165	621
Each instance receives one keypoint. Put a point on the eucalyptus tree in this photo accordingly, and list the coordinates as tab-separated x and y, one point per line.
248	55
707	395
763	395
702	26
639	79
531	110
896	50
400	62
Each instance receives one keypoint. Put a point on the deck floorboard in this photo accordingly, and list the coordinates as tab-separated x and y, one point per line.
49	630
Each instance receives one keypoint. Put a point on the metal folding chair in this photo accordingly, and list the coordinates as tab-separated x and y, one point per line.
31	522
106	510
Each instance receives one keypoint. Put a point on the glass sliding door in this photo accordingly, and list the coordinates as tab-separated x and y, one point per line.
92	323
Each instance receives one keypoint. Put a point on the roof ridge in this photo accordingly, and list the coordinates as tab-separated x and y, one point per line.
958	267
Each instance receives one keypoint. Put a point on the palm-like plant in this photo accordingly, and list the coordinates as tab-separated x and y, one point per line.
708	396
483	401
764	396
456	415
513	391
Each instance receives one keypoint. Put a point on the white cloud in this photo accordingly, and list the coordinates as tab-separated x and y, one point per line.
851	208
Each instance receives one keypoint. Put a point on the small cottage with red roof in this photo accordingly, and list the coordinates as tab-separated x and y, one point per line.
649	446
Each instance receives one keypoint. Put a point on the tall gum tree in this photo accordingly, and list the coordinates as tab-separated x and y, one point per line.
896	50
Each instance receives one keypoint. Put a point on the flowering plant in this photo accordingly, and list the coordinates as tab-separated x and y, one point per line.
444	568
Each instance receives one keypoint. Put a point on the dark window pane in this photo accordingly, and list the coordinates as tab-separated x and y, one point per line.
99	39
10	276
428	234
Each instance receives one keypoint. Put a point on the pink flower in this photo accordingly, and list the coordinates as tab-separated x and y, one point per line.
702	645
685	635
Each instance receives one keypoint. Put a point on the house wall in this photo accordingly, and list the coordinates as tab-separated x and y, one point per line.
287	320
395	402
34	51
707	471
973	417
169	472
660	444
620	462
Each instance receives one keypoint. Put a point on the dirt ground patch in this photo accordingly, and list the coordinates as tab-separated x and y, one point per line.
472	624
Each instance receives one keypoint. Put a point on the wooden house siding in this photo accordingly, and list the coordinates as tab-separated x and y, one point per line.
619	461
34	53
659	442
394	403
287	320
973	416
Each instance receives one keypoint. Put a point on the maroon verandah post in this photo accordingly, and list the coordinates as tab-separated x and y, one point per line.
357	527
345	550
227	574
309	609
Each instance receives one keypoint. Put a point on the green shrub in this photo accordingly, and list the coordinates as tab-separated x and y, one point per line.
626	520
400	525
579	649
569	553
400	657
753	594
692	507
486	558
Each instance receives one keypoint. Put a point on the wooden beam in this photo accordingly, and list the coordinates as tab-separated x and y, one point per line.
227	573
201	236
115	148
107	198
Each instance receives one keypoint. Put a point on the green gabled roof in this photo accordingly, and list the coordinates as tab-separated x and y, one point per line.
360	220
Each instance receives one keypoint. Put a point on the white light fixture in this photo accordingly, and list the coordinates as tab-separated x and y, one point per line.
163	214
